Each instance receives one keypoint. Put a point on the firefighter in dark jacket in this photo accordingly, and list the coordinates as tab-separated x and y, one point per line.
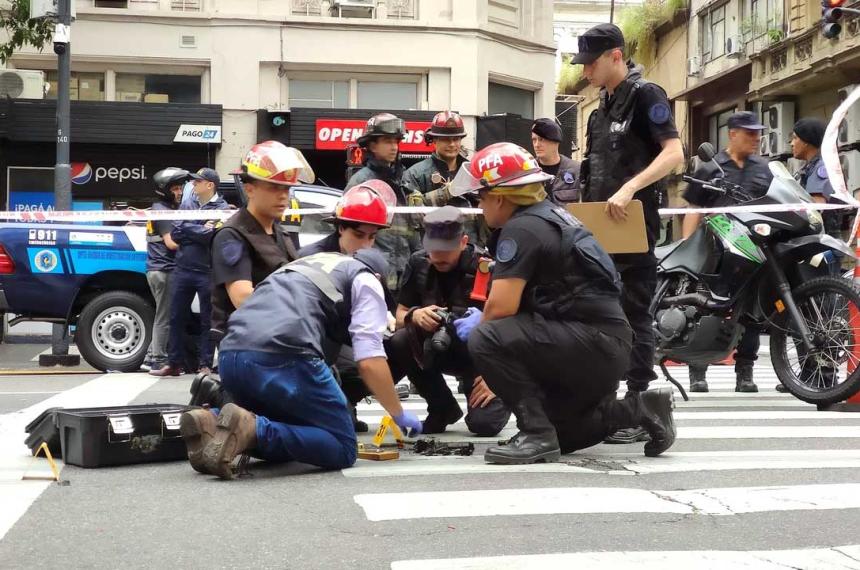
552	340
442	277
632	145
433	175
563	188
381	144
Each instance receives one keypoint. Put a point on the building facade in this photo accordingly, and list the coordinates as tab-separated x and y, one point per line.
306	72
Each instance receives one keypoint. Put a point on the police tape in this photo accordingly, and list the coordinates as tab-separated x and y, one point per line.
131	216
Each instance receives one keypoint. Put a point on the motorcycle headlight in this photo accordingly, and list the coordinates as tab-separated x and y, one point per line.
762	229
815	219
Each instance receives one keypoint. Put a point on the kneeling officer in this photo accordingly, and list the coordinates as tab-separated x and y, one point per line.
438	281
288	404
553	340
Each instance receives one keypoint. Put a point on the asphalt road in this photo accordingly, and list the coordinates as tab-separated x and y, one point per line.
754	481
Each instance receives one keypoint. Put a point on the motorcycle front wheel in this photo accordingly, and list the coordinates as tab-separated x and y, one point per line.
830	372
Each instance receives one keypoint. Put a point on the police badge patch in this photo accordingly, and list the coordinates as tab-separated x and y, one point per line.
232	251
506	250
659	113
822	171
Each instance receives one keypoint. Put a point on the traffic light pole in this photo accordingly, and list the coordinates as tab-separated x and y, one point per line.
63	168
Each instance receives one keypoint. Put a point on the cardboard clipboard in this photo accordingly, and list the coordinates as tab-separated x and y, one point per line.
628	236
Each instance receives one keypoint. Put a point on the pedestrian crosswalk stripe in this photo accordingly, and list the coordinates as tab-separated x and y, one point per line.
595	463
710	415
702	432
105	390
788	402
722	501
819	558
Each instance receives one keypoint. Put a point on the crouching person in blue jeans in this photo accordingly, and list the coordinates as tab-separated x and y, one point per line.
288	406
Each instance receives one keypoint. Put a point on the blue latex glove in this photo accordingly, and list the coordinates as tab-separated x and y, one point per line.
469	321
407	421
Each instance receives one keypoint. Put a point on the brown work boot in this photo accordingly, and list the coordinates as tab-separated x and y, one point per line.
197	428
235	434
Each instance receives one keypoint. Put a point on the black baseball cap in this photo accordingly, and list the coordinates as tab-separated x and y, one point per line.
547	129
597	41
208	174
443	229
745	120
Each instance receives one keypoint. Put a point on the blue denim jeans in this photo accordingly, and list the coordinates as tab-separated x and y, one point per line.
184	285
302	414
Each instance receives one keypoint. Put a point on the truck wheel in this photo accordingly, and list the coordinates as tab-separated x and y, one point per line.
114	331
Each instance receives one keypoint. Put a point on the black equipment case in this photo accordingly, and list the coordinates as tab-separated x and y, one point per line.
121	435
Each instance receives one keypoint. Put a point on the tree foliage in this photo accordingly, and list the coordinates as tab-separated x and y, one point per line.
19	30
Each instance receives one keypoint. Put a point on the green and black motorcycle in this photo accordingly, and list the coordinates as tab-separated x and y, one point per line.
775	270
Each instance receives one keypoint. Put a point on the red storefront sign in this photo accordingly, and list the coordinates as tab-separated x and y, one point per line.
337	134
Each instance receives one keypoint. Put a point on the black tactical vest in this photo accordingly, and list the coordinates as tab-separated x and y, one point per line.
588	287
615	152
266	256
427	281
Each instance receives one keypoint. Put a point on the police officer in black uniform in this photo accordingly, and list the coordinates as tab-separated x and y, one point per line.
553	340
806	139
564	186
632	146
160	254
742	166
441	277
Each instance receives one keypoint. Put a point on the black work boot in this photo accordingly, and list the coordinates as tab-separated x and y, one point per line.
697	379
744	378
360	426
206	389
657	406
628	434
536	441
442	407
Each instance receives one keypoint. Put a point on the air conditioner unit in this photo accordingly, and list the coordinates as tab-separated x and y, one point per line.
779	120
734	46
849	130
694	67
850	162
18	84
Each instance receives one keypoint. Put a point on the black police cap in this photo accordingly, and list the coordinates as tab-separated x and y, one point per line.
596	41
547	129
745	120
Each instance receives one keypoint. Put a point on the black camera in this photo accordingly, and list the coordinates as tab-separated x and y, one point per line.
441	339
